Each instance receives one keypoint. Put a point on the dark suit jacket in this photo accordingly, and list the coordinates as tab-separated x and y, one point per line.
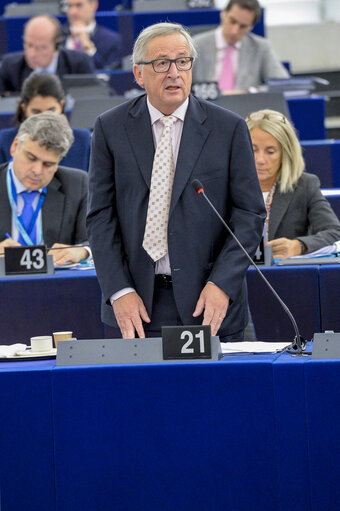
109	47
215	148
14	68
305	214
63	210
78	155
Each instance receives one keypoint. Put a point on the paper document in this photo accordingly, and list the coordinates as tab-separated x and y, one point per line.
253	347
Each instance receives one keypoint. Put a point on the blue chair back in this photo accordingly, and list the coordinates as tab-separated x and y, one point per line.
333	197
322	158
78	155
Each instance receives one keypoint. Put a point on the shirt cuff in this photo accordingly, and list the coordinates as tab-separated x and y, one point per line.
121	293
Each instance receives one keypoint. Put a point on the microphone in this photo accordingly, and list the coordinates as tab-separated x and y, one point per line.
299	342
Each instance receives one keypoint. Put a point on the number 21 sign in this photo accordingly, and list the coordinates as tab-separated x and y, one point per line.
186	342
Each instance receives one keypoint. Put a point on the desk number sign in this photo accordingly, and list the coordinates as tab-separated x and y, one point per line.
186	342
25	260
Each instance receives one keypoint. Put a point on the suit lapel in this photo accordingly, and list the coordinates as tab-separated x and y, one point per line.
279	207
53	212
193	139
139	132
6	214
245	62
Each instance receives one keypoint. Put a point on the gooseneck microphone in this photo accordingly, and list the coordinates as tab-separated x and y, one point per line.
299	343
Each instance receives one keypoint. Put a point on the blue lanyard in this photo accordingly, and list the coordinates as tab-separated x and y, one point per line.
12	195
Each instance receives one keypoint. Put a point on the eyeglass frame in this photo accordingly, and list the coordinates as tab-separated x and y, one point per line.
170	61
269	117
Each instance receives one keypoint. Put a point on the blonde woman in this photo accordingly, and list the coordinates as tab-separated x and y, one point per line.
299	219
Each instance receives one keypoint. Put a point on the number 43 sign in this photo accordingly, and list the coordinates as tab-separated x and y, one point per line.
186	342
24	260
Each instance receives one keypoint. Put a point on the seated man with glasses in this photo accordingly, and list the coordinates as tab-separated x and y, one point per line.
42	52
161	255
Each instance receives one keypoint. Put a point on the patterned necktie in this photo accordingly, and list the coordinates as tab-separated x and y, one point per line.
27	214
155	240
226	81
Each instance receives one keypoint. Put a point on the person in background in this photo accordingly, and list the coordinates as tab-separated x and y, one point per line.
299	218
43	92
161	255
232	55
42	52
40	201
83	33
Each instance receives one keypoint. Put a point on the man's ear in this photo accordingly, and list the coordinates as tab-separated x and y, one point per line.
14	146
137	72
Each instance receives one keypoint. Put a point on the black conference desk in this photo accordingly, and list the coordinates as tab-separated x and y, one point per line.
250	432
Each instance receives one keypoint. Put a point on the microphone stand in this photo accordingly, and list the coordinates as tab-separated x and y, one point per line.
299	343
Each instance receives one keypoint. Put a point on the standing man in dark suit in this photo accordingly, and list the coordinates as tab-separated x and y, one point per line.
41	202
83	33
161	255
42	52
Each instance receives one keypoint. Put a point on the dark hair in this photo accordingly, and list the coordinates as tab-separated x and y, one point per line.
38	84
251	5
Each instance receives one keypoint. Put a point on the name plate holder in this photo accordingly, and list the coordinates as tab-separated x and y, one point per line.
326	345
121	351
26	261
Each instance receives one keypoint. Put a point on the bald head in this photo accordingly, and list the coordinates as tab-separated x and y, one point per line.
40	37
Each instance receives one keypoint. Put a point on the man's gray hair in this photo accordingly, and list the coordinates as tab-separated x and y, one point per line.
50	130
157	30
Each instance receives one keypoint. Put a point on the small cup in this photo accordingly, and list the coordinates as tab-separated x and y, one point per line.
41	343
62	336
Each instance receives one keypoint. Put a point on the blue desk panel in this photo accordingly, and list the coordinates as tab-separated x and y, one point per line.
166	437
298	287
26	437
40	305
330	297
250	432
322	390
292	445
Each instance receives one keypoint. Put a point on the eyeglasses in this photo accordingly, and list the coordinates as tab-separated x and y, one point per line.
163	65
275	116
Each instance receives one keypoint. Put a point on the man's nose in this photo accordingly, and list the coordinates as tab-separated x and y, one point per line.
173	71
37	168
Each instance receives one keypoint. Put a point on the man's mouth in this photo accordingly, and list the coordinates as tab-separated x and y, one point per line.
172	87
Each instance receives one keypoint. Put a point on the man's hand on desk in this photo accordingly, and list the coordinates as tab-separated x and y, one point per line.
130	312
214	302
67	253
8	242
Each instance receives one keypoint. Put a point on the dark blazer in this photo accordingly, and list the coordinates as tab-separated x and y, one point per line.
78	155
305	214
215	148
109	47
257	62
63	210
14	68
